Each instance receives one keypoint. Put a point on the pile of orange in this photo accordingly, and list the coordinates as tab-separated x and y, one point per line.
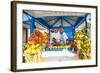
38	37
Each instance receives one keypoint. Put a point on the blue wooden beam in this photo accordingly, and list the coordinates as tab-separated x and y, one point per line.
55	22
38	20
42	22
51	19
62	27
67	21
61	21
73	30
70	18
32	25
79	20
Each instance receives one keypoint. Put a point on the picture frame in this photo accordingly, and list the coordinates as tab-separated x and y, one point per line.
68	15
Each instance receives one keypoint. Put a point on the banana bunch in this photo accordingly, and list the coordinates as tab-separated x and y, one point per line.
60	47
32	54
84	44
33	48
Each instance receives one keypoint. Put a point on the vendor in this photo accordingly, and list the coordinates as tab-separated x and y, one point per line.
63	37
54	42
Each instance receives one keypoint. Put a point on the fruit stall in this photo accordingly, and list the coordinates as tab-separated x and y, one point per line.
41	36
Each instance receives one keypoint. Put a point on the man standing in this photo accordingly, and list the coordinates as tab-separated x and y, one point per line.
63	37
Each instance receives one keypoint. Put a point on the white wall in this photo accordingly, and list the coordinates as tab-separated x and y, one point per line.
5	37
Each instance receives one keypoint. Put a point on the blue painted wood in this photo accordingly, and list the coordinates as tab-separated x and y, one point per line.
38	20
42	22
57	19
69	30
32	25
78	21
67	21
61	21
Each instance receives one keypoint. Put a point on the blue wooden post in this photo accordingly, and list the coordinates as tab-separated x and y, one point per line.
32	25
61	21
73	30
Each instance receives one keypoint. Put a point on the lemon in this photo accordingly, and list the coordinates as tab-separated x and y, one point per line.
32	46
